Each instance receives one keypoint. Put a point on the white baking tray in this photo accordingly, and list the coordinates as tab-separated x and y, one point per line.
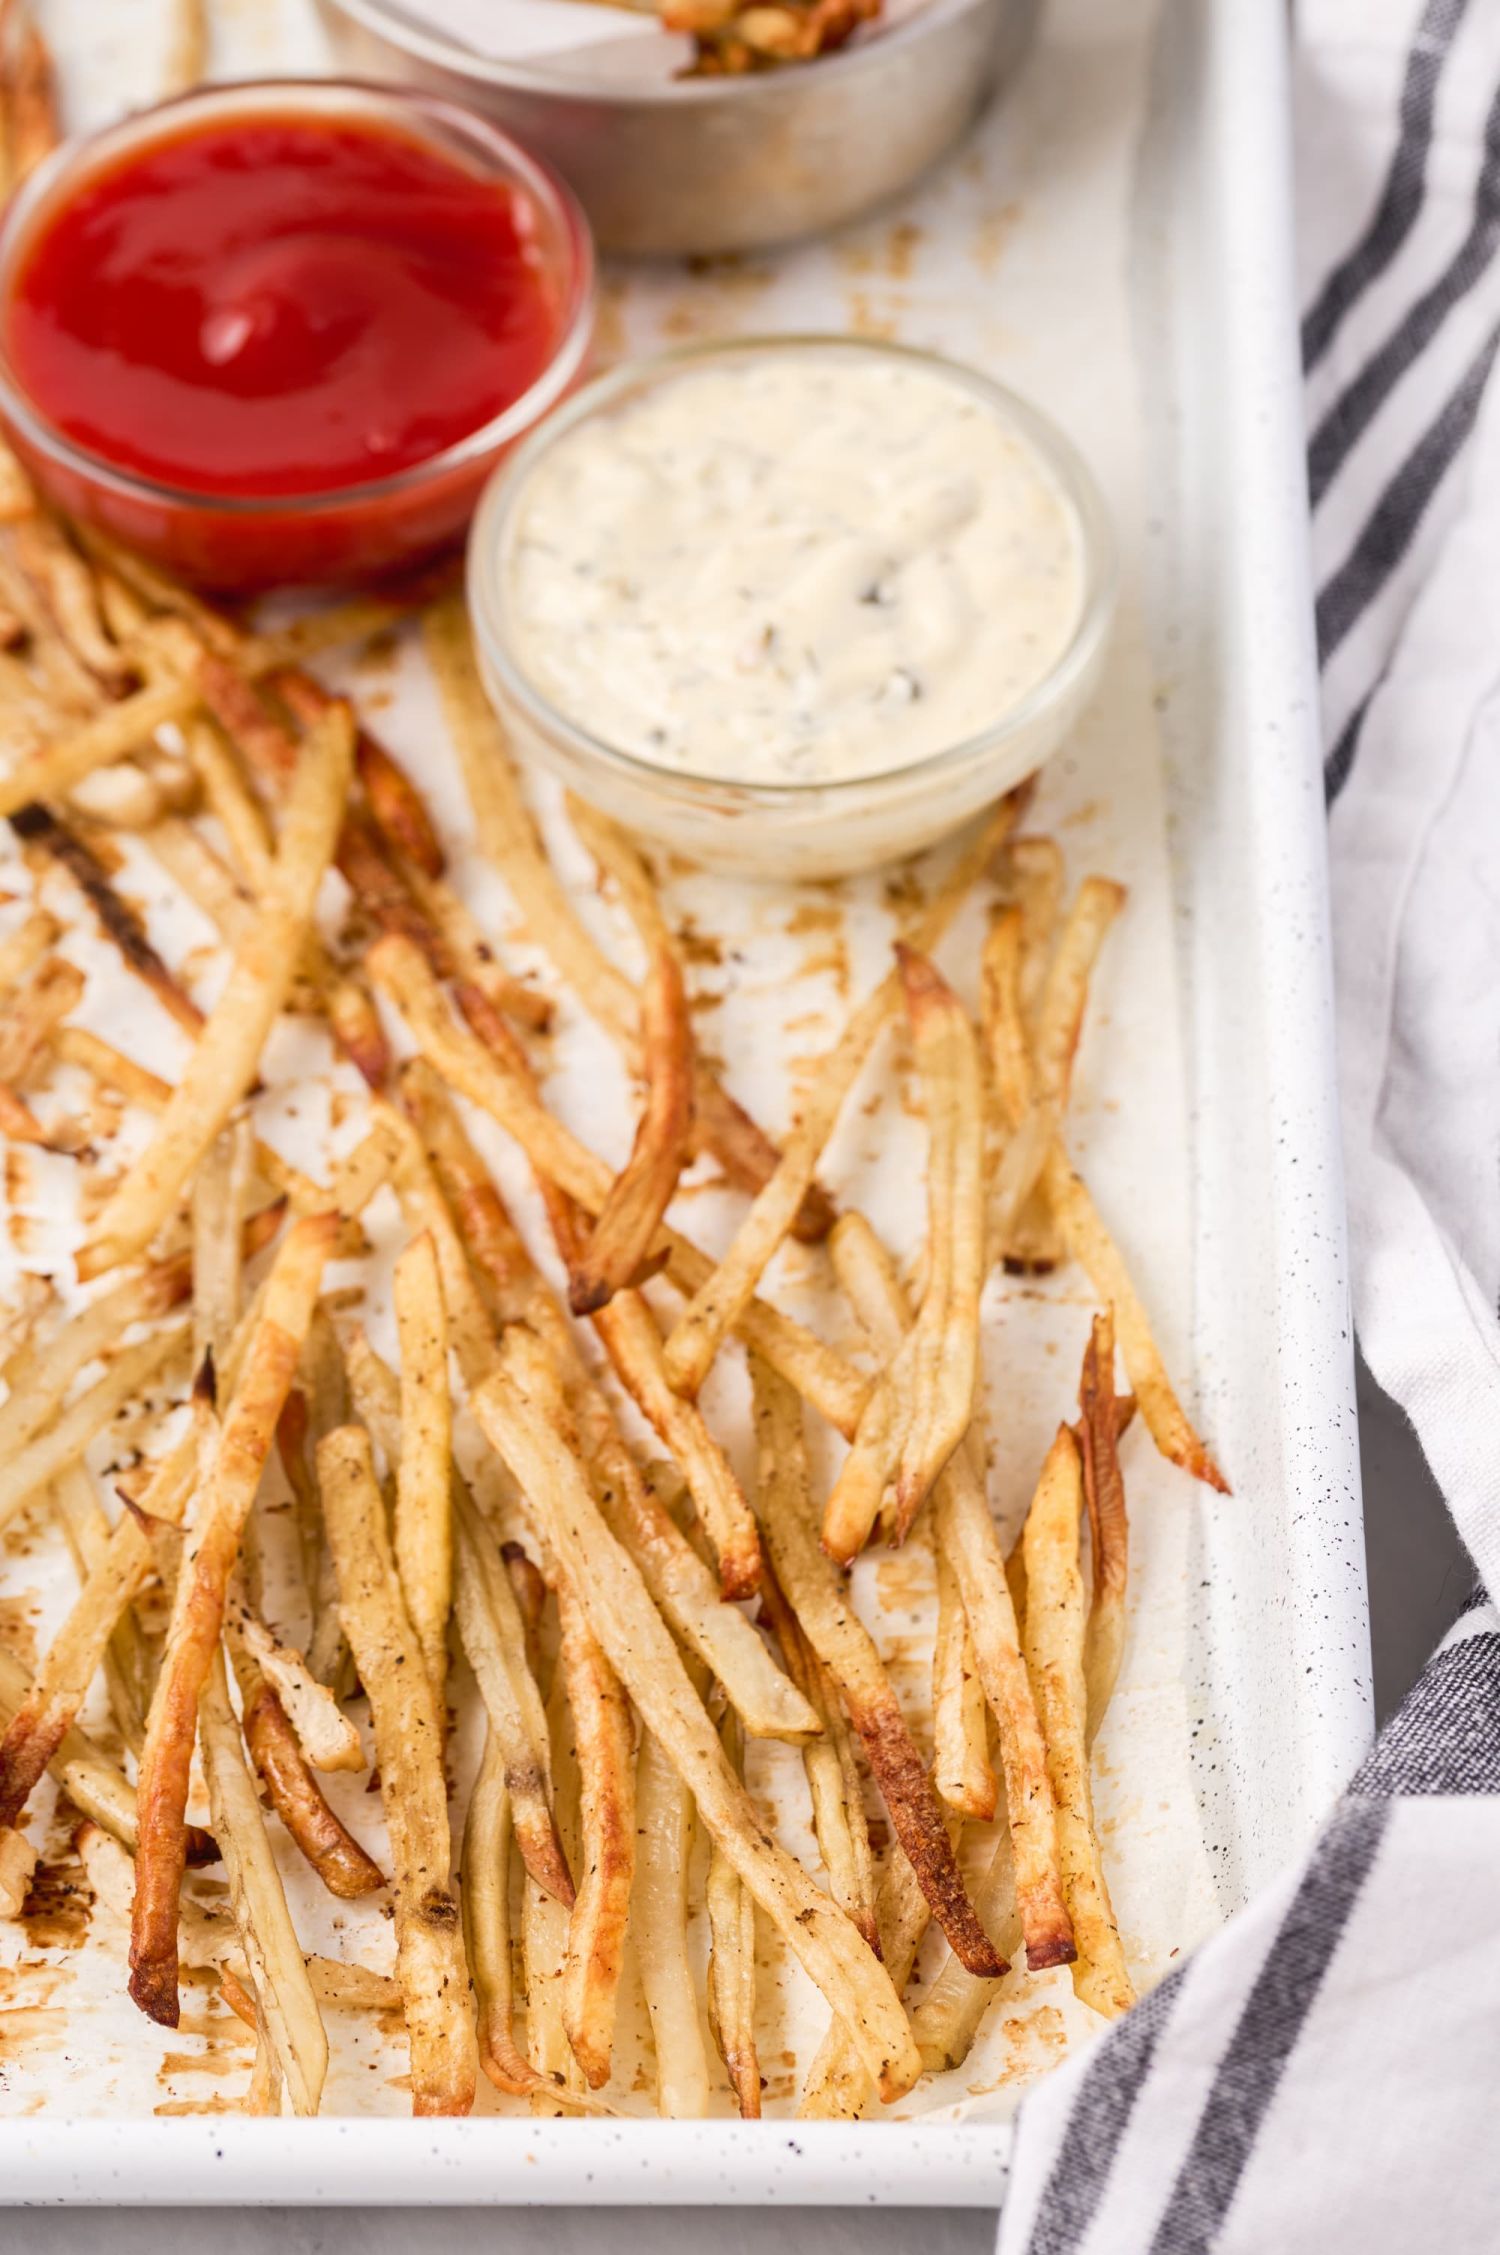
1116	241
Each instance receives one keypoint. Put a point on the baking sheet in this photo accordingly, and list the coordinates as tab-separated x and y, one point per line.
1098	245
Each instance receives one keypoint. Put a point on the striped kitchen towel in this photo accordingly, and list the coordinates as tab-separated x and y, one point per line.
1323	2075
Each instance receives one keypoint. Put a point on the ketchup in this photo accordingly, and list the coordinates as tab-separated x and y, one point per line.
272	305
229	332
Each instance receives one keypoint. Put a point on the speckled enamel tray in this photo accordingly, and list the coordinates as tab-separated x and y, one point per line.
1115	241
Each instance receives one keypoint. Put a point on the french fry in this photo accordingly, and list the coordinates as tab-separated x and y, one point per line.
485	1897
816	1592
544	1933
284	1994
1032	1112
408	1744
516	1293
837	2086
965	1534
604	1739
1054	1646
90	1779
38	827
664	1833
326	1843
122	728
625	1230
423	1524
947	2020
922	1402
834	1785
397	967
639	1647
719	1302
225	1061
245	1441
64	1440
631	1339
126	1663
1065	991
960	1713
32	1015
187	47
65	585
31	95
493	1637
320	1726
1109	1526
24	948
731	1962
82	1339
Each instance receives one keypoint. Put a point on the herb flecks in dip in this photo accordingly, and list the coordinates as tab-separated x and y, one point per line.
794	567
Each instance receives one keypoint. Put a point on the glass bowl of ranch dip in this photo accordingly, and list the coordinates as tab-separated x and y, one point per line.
793	606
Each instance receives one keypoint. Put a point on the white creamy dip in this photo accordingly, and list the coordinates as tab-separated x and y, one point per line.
795	567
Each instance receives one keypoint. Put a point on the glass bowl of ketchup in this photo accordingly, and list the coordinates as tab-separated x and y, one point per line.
278	333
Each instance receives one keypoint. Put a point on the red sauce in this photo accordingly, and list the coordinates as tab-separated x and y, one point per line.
269	305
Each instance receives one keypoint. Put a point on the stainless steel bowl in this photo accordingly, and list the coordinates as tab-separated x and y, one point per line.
664	164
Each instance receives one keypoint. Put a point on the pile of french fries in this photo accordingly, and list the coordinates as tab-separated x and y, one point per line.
479	1526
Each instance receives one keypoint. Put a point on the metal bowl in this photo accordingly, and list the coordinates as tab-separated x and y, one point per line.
664	164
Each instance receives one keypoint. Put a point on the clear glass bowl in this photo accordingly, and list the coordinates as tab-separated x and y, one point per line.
791	830
351	532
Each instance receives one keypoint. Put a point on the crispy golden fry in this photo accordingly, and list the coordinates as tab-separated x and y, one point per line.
1065	992
284	1993
30	94
38	827
126	1662
837	2087
633	1343
399	971
65	585
344	1867
1096	1251
922	1402
625	1231
834	1784
605	1743
947	2020
82	1339
485	1896
481	1591
508	838
408	1744
965	1533
731	1961
719	1302
1054	1644
63	1441
324	1732
1032	1117
32	1015
493	1637
187	47
817	1594
24	948
639	1647
423	1526
225	1061
728	41
664	1832
90	1779
960	1713
249	1428
120	728
1109	1526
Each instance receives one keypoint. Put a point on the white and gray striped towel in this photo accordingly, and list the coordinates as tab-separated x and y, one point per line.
1324	2075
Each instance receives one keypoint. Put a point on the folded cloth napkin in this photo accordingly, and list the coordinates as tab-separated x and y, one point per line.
1322	2075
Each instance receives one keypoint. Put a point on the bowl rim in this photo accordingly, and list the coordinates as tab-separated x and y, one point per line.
72	160
449	54
488	609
